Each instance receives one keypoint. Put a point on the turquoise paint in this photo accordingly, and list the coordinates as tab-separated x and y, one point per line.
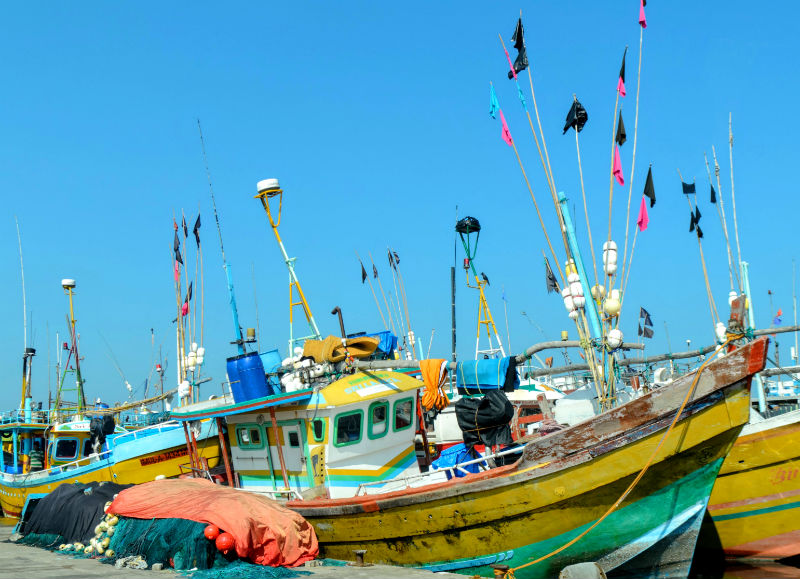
620	528
756	512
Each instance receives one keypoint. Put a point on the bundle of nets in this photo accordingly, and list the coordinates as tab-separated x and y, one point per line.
244	570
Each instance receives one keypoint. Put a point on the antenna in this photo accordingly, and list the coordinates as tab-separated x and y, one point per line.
27	363
237	329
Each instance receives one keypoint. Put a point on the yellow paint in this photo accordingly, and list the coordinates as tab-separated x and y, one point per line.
317	462
762	472
361	386
525	509
372	472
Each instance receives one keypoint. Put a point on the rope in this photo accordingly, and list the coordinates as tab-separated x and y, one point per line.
722	222
725	220
733	194
510	573
586	212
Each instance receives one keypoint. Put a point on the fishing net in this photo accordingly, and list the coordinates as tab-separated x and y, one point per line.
177	543
244	570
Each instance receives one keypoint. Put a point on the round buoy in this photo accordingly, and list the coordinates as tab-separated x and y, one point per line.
225	542
211	532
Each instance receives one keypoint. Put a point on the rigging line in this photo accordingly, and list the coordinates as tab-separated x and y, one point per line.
722	222
22	273
255	301
725	219
211	189
733	194
611	185
633	163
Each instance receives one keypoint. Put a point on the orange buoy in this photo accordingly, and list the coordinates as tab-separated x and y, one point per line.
211	532
225	542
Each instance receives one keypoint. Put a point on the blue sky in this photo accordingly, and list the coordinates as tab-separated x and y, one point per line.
374	118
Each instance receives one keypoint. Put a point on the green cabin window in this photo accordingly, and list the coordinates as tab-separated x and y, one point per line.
319	429
348	428
249	436
378	419
66	449
403	414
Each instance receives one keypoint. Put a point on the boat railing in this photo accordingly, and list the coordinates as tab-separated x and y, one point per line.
457	470
144	432
275	494
54	470
12	416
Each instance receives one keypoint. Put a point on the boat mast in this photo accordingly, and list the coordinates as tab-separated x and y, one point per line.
29	353
69	289
269	189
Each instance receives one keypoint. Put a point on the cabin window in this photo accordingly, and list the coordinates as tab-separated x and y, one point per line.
87	447
294	439
319	429
403	414
66	449
348	428
378	419
249	436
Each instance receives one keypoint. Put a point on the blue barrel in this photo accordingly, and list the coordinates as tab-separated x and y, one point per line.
247	378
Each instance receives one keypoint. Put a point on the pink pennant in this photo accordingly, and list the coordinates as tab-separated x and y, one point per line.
511	66
506	133
177	271
185	309
621	87
618	167
643	220
642	19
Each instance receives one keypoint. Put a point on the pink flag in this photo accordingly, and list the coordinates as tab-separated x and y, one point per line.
643	220
621	86
177	271
618	167
642	19
506	133
185	309
514	72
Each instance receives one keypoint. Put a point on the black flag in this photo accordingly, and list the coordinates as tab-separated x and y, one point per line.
646	332
699	233
521	62
695	220
196	230
713	195
691	222
185	229
576	117
688	188
177	247
552	282
188	293
363	273
374	271
396	258
621	136
649	190
645	315
697	215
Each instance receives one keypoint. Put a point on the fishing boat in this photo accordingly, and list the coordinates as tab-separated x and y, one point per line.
350	443
76	442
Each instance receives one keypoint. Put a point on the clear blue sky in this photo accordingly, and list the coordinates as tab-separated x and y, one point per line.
374	118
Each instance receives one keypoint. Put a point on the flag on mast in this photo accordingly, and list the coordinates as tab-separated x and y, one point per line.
521	62
643	220
196	230
688	188
363	273
506	133
618	166
576	117
494	105
621	81
621	135
649	190
552	282
642	19
713	194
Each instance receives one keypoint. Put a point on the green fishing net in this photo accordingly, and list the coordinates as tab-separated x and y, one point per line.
244	570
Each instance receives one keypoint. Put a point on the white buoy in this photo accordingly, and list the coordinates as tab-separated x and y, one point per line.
610	257
732	296
721	332
598	292
614	339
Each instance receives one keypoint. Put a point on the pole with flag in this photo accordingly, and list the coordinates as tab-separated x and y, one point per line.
694	226
365	277
716	199
642	222
576	119
383	294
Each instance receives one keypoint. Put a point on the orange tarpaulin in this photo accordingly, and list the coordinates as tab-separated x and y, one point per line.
265	532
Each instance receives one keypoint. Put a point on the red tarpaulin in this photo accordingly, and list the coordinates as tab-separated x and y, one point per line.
265	532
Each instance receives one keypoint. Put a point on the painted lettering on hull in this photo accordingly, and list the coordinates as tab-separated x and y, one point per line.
147	460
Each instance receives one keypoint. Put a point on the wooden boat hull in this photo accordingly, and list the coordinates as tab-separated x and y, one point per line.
152	457
564	482
755	505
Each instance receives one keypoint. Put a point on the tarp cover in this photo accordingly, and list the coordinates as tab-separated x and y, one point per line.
331	349
477	376
486	419
72	510
265	532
